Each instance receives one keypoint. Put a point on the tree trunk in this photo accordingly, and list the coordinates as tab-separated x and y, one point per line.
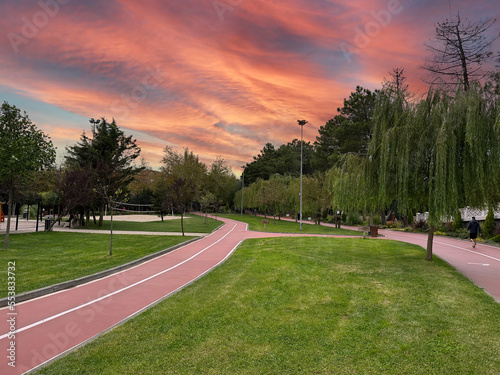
430	238
182	222
61	214
87	214
101	215
7	228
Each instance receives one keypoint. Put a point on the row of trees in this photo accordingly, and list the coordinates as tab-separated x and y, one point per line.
280	194
99	171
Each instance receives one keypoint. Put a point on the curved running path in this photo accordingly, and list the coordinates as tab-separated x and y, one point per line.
50	326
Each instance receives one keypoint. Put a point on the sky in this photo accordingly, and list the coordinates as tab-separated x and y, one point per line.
220	77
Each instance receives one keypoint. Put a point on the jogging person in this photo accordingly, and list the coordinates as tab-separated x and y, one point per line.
474	228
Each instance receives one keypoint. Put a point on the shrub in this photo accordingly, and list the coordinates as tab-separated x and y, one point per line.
439	233
421	225
461	233
457	221
446	227
411	215
353	219
489	225
496	238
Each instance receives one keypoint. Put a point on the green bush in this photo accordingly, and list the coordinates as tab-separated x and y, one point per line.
496	238
461	233
489	225
457	221
353	219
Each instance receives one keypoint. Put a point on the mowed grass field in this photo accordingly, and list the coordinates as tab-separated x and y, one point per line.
286	226
192	224
309	306
47	258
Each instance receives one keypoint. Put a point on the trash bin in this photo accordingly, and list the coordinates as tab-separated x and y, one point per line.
48	222
25	214
373	231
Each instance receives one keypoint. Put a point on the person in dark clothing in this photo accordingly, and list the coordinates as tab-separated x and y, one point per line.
474	228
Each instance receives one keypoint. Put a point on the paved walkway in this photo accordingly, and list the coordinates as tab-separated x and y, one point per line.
50	326
29	226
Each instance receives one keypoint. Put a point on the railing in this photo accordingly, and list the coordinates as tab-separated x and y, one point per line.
467	214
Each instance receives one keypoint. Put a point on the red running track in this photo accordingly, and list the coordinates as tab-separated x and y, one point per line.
50	326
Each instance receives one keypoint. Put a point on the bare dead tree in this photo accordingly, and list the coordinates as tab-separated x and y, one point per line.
460	51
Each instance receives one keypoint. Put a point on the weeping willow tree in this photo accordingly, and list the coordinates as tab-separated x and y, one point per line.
347	184
439	154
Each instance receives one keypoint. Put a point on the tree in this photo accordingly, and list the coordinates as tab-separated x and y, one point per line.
184	177
108	156
439	154
459	52
317	197
397	85
457	221
24	150
221	183
348	132
285	160
489	224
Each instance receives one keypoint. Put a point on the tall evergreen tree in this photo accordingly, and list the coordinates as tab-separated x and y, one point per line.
109	155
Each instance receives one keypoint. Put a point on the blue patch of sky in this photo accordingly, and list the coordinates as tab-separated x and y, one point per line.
39	111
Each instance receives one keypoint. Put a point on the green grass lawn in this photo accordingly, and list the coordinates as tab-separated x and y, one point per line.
284	226
309	306
192	224
47	258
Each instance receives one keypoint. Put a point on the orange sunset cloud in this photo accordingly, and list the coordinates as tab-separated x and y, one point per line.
221	77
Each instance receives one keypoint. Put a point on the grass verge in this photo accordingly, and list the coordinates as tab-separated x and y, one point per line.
192	224
47	258
309	306
285	226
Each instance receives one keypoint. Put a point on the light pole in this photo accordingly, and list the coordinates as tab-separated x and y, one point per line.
301	123
242	186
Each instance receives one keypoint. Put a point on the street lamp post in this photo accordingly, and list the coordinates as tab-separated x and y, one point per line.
242	186
301	123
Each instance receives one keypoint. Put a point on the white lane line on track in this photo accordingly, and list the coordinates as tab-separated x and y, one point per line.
470	251
479	264
117	291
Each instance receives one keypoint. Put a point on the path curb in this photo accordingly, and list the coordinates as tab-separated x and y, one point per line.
85	279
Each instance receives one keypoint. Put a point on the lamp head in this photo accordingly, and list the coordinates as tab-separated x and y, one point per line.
302	122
